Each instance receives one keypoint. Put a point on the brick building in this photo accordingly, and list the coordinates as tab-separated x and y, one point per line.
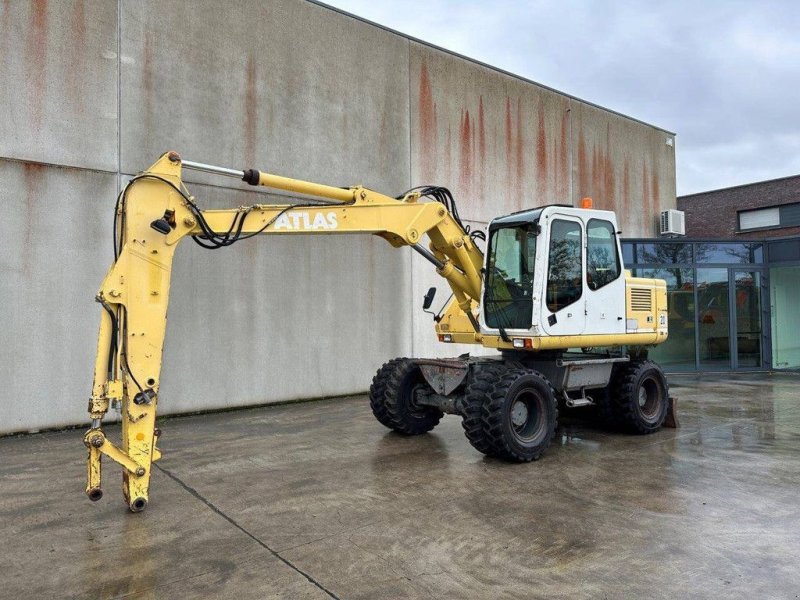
760	210
732	280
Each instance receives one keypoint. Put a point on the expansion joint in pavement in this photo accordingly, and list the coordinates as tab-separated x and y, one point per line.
233	522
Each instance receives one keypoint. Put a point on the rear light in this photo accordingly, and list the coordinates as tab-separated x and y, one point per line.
445	337
526	343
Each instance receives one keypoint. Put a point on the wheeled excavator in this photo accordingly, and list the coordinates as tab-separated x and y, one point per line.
549	293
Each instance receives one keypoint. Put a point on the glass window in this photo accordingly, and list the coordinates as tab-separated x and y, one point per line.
721	252
602	260
628	250
508	293
713	319
664	253
785	315
564	278
678	352
784	251
748	318
790	214
762	217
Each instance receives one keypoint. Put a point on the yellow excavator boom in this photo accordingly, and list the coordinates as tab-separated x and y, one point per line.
155	212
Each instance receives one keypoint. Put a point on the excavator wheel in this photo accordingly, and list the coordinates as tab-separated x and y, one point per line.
475	396
518	413
391	397
638	397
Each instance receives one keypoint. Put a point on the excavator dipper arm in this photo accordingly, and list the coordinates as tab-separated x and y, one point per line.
155	212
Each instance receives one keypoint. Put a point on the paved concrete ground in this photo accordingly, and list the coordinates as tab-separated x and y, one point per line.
317	500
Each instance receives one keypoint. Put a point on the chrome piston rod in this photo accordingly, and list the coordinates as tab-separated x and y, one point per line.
196	166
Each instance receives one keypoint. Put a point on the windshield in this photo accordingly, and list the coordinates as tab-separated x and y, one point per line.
508	287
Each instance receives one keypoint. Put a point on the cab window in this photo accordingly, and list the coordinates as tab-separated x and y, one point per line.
602	259
508	290
564	277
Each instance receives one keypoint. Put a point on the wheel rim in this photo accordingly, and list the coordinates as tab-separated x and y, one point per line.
649	398
526	416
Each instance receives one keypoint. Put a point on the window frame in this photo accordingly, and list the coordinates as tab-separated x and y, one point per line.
615	243
581	247
783	221
531	233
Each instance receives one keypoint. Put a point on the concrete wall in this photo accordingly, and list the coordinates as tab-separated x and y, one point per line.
94	91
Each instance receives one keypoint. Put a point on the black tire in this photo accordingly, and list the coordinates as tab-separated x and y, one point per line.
518	413
639	397
477	392
391	397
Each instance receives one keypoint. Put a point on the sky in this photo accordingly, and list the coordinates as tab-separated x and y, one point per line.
723	75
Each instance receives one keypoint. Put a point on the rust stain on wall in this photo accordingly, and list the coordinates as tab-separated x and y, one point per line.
481	149
448	156
427	125
481	131
609	179
520	162
646	197
603	179
509	139
563	168
465	148
541	148
250	111
36	52
583	168
626	192
654	194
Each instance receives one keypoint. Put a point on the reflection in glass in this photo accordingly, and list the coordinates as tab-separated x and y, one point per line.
721	252
627	253
664	253
784	284
784	251
564	277
678	352
713	319
748	318
508	291
602	260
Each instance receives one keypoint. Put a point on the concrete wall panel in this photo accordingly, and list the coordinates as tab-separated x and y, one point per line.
56	232
623	166
500	144
58	68
287	86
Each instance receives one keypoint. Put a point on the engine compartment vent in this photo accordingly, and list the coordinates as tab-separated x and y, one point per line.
641	299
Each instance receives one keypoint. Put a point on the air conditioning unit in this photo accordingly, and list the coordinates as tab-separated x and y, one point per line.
673	222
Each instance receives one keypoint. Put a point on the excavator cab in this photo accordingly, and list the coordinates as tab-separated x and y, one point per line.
553	271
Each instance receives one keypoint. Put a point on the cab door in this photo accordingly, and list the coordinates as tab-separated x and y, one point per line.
605	279
563	310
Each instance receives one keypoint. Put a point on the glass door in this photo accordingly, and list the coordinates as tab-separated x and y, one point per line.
748	309
713	319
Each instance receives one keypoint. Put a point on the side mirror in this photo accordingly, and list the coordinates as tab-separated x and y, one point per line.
428	298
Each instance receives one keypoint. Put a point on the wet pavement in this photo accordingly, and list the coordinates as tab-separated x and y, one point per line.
318	500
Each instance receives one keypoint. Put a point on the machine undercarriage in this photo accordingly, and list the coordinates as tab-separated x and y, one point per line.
509	404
